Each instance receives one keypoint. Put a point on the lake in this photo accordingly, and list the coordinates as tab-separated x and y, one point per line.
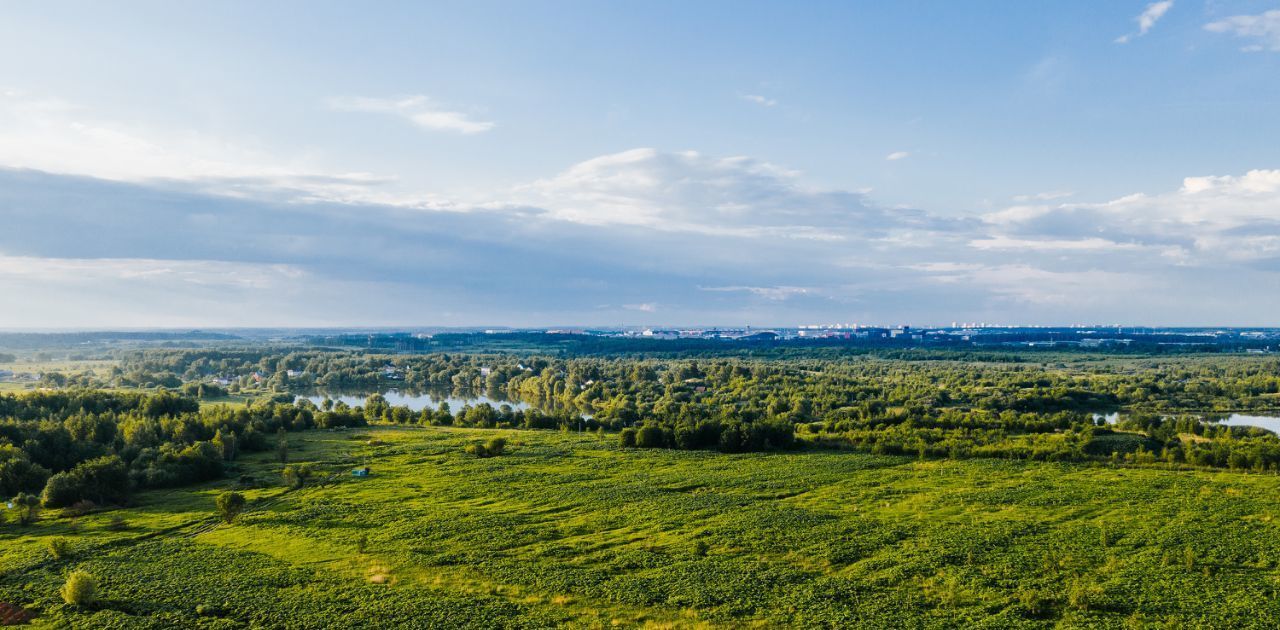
416	402
1270	423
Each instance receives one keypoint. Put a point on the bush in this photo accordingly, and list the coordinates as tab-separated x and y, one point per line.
28	506
496	446
81	507
478	450
59	548
230	505
627	438
296	475
81	589
651	437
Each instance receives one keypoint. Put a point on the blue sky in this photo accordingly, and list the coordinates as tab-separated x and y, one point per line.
486	163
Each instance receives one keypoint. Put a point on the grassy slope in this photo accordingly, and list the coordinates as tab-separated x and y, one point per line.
569	528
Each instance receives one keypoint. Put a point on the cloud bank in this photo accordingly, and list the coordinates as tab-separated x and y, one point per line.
110	224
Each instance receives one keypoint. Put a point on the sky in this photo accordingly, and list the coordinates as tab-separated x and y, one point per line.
564	163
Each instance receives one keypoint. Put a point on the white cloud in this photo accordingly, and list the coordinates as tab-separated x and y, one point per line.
416	109
737	234
768	293
1022	283
1044	196
133	292
1147	19
1083	244
56	136
692	192
759	100
1264	28
897	155
1207	220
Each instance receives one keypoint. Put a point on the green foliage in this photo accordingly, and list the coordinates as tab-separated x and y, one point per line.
59	548
651	437
296	475
101	480
496	446
80	589
627	437
282	446
230	505
27	507
579	532
929	403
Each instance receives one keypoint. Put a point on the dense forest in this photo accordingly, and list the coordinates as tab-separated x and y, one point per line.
927	404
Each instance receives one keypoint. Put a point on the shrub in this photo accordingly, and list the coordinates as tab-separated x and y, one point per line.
478	450
651	436
59	548
627	438
81	589
296	475
1081	594
496	446
282	446
81	507
1034	603
28	506
701	548
230	505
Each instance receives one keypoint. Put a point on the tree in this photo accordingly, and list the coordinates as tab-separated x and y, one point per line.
18	473
28	506
230	505
102	480
296	475
227	444
282	446
81	588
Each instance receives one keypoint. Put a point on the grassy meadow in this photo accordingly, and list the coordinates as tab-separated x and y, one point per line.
570	529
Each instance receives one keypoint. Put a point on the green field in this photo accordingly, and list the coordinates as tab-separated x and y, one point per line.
571	529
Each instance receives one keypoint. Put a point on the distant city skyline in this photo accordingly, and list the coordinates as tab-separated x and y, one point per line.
324	164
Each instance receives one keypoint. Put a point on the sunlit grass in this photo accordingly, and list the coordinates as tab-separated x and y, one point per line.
569	528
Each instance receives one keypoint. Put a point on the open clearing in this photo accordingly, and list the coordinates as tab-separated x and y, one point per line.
572	529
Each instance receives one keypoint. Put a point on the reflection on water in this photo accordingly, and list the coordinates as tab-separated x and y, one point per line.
416	401
1270	423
